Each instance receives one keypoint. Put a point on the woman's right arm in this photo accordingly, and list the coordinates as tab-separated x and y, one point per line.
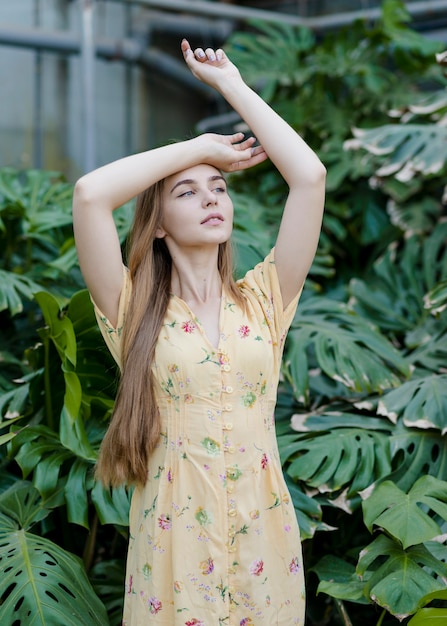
99	193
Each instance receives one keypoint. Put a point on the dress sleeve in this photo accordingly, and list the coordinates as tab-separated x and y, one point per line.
261	288
112	335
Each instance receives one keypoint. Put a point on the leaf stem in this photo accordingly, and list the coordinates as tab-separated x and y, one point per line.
47	384
343	612
381	618
89	547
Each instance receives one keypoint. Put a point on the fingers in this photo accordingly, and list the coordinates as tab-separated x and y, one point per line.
201	55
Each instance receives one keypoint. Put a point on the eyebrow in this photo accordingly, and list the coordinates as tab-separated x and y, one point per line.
192	181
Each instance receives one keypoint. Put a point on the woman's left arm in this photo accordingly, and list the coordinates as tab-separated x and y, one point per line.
300	167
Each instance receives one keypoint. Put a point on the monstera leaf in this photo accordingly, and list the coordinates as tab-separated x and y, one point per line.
405	515
338	458
40	583
410	148
346	347
421	402
398	578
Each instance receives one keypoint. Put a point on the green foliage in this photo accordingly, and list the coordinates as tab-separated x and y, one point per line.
362	408
41	582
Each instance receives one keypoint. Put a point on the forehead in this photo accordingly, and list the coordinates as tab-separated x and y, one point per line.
199	172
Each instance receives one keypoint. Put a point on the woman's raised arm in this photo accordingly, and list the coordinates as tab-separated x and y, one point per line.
298	164
100	192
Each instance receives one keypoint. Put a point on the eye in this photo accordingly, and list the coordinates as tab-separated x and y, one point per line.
186	193
220	190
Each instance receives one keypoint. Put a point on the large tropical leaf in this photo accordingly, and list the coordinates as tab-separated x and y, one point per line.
416	453
346	347
398	577
393	296
338	458
410	148
405	516
422	402
40	583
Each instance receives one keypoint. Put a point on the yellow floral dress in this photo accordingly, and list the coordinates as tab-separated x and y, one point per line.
214	539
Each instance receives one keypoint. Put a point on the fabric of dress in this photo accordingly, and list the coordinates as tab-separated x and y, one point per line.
214	539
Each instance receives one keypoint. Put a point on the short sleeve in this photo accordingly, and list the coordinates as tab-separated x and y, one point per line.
112	335
261	287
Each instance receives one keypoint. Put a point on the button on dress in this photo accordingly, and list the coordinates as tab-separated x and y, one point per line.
214	539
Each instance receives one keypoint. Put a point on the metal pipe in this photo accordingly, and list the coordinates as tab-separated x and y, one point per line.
322	23
88	84
126	50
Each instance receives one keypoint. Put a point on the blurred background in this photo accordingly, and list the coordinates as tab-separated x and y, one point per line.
84	82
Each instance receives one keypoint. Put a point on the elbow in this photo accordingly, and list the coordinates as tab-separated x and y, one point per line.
318	175
83	194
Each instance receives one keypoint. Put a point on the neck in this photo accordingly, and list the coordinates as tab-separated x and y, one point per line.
195	276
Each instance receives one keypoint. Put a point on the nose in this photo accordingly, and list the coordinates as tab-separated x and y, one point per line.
209	198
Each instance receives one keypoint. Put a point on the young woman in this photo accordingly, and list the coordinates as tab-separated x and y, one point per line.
214	539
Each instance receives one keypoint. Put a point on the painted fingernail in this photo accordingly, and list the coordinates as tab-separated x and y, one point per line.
200	54
219	55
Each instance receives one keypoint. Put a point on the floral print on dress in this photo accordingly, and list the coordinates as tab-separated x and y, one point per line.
214	528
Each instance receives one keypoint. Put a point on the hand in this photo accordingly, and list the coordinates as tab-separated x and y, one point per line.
209	66
232	153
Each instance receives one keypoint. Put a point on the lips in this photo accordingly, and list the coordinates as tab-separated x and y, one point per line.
213	218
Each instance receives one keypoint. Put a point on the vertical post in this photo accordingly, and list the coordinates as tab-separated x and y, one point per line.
88	82
37	161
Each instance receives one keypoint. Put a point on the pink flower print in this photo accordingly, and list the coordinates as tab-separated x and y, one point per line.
194	622
130	586
207	566
294	566
257	567
243	331
287	528
188	399
254	514
188	326
264	461
154	605
169	476
173	368
164	521
246	621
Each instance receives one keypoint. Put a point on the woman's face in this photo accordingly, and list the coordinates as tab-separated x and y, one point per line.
197	210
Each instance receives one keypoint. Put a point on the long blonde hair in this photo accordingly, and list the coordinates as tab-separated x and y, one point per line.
134	430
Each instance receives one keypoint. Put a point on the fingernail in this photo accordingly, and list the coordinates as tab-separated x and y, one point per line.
219	55
201	54
212	57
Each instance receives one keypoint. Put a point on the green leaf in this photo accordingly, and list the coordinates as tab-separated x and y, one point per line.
401	576
112	505
13	288
23	505
402	515
339	458
421	402
41	583
107	578
338	579
347	348
76	493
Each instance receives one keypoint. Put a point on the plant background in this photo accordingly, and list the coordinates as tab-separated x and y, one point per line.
362	407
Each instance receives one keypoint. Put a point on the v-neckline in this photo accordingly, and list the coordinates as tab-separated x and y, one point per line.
200	326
